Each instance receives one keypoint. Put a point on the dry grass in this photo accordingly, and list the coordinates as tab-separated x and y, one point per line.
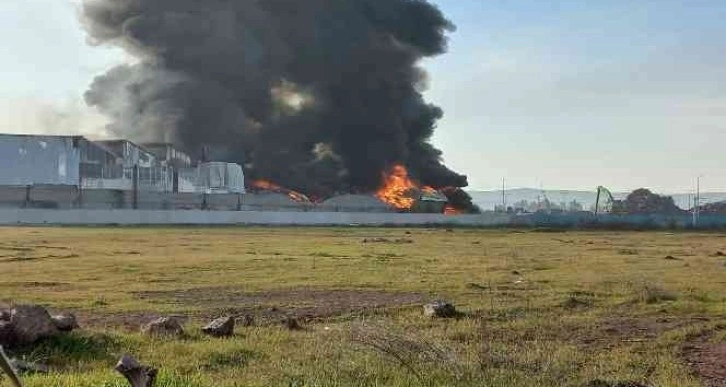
548	309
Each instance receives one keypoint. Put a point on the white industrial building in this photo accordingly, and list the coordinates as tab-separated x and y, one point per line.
211	178
39	160
31	160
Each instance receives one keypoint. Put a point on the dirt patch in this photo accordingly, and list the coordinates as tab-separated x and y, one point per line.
707	359
399	241
622	330
131	321
305	304
35	284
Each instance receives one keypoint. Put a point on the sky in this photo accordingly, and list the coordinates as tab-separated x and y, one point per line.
562	94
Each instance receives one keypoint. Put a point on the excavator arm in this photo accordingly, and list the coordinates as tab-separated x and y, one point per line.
603	195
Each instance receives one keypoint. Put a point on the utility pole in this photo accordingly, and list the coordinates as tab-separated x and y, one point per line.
697	202
504	196
698	199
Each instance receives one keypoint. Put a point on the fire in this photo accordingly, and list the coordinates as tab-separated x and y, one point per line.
429	190
397	188
270	186
451	210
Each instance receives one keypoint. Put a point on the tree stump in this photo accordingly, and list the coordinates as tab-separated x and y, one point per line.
138	375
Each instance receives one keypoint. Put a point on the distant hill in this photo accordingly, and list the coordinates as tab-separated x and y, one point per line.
487	200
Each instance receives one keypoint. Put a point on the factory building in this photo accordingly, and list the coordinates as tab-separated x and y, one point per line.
39	160
129	154
166	154
34	160
213	177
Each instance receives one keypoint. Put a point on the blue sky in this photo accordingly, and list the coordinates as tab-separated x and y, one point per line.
556	94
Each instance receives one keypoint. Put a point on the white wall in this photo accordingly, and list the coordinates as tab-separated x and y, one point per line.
131	217
39	160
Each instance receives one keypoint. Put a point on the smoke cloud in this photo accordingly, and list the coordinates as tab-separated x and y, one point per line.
318	95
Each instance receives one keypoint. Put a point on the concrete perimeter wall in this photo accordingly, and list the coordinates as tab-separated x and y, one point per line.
10	217
34	216
70	197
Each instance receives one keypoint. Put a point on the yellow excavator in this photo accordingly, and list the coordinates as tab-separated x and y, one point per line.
604	198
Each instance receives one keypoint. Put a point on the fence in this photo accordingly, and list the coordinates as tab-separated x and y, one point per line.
94	202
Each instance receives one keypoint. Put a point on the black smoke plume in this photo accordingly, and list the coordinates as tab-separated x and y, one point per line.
317	95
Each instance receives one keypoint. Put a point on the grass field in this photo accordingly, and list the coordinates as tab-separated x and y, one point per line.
537	308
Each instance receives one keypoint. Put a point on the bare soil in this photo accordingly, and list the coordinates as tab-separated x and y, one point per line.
707	359
263	307
622	330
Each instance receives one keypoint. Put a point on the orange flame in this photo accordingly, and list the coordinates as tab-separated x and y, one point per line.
451	210
396	188
270	186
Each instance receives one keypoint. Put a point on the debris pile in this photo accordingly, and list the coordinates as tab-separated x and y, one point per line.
717	208
643	201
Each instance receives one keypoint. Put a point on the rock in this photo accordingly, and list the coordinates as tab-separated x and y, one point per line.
439	309
164	326
65	322
292	324
31	323
221	327
7	334
24	367
4	315
672	258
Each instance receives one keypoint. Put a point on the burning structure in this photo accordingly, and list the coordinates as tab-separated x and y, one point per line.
320	96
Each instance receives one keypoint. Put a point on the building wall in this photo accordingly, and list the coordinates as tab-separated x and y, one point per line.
32	160
212	177
130	153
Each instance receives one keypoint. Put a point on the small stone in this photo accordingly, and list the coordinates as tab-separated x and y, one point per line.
221	327
31	323
440	309
24	367
164	326
65	322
